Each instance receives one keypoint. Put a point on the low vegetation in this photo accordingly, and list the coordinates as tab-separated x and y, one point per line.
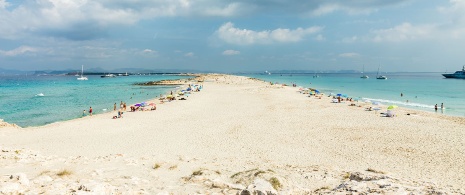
64	172
156	166
275	183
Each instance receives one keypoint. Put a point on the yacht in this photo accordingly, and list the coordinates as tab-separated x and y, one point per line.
364	76
457	75
82	77
380	76
109	75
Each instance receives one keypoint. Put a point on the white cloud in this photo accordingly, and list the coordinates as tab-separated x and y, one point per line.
403	32
349	55
4	4
189	54
19	51
149	51
228	33
231	52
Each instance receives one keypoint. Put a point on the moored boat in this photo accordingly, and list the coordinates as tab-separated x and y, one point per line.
108	76
457	74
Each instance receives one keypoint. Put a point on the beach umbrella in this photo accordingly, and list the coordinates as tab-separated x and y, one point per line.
338	94
137	104
392	107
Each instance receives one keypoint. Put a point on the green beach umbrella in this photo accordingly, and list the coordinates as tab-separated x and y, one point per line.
391	107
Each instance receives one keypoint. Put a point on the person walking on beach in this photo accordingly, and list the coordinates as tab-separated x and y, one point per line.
436	107
90	111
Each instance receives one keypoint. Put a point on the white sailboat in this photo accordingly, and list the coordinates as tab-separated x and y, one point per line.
364	76
82	77
380	76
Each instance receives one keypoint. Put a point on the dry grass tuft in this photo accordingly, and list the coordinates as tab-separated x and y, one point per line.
198	172
375	171
173	167
64	172
275	183
156	166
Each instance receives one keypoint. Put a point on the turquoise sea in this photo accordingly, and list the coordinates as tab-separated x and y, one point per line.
65	97
420	91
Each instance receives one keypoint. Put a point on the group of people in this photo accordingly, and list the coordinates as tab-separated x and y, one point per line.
90	112
436	107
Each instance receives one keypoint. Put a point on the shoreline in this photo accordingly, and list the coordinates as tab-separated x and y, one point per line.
237	133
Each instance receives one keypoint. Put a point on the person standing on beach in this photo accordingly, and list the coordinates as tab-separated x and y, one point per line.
442	106
436	107
90	111
84	113
114	107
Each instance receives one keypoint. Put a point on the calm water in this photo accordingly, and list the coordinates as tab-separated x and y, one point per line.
65	97
422	90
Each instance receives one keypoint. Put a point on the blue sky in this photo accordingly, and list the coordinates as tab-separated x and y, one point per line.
230	36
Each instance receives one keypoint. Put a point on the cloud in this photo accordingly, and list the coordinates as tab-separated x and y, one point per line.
149	51
22	50
349	55
189	54
89	20
228	33
231	52
403	32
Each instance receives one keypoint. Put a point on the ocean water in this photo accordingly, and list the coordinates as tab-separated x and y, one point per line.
420	91
65	97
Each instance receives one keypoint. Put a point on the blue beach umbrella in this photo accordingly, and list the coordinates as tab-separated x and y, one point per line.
339	94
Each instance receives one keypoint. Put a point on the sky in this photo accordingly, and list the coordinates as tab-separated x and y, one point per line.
233	36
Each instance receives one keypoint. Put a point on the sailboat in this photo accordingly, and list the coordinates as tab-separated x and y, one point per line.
82	77
380	76
364	76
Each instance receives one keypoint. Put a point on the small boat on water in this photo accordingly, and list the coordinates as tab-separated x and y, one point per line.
40	94
381	77
108	76
364	76
125	75
457	74
82	77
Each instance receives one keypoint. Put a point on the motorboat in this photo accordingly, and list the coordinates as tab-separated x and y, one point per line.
124	74
457	74
82	77
108	76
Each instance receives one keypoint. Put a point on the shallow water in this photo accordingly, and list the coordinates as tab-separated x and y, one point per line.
420	90
65	98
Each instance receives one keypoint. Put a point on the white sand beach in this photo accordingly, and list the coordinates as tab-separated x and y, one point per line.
238	135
